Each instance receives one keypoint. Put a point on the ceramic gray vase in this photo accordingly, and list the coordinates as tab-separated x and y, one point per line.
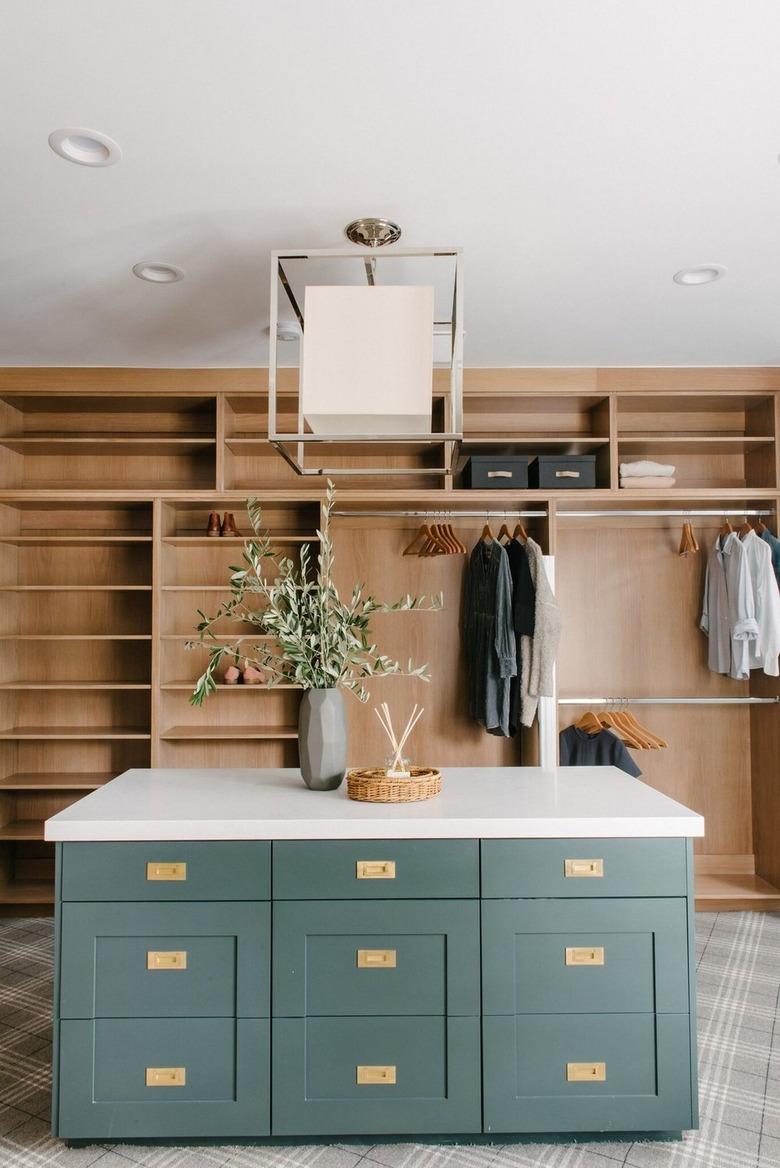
322	741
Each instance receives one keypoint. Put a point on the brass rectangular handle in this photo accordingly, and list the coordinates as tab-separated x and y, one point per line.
499	474
567	474
166	1076
364	1076
583	868
376	958
375	870
157	871
166	959
586	1072
586	955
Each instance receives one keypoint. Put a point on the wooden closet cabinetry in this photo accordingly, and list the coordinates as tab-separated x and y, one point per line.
107	478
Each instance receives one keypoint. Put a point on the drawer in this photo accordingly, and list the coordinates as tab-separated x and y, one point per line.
375	869
165	960
114	1076
212	870
587	1072
584	867
376	958
375	1076
585	956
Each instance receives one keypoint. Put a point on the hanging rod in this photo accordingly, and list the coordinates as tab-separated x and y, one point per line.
442	514
711	701
664	514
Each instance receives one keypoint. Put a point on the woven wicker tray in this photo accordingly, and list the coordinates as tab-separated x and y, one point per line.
373	786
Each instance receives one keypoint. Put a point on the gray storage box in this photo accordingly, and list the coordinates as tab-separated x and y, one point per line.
563	472
498	472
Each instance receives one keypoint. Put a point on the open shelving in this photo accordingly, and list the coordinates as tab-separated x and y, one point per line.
107	479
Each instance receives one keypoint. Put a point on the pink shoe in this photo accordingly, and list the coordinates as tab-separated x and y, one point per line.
232	675
253	676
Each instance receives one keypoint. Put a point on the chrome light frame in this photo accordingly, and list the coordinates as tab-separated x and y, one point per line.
292	447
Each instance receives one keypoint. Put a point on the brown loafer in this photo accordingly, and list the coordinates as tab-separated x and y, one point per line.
213	524
229	525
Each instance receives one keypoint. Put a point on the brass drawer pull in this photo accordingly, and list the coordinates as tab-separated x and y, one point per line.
586	1072
590	955
166	871
166	959
376	958
583	868
381	1075
166	1076
375	870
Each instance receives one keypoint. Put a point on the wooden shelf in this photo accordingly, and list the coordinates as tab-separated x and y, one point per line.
224	541
106	444
75	588
229	732
731	891
75	637
70	685
688	444
22	829
71	538
55	781
190	685
546	444
217	637
28	892
77	733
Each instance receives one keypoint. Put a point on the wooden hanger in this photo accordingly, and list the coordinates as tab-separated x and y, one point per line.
688	541
726	529
589	722
657	742
460	547
504	533
520	532
487	533
760	527
421	538
744	529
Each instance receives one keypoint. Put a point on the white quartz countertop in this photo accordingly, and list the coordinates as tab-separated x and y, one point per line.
476	802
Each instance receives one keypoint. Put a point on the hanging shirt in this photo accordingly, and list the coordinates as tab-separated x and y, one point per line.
489	637
537	653
523	618
578	748
728	612
774	547
764	651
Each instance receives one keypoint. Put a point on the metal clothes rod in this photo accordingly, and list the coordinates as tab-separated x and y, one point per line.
664	514
712	701
442	514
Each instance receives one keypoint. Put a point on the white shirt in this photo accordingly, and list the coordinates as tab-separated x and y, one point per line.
728	613
764	651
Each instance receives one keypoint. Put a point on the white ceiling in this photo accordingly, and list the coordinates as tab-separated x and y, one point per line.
580	151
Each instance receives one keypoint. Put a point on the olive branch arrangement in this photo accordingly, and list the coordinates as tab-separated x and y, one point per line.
311	637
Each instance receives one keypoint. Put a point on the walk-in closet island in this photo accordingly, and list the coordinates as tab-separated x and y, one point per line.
512	957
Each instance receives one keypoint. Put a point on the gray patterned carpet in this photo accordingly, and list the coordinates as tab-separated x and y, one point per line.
739	1056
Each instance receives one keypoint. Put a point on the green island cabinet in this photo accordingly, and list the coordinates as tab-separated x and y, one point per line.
313	989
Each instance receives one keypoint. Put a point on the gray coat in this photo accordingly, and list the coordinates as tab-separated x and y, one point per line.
489	636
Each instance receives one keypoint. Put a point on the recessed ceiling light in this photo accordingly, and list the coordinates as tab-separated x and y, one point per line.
157	273
85	147
705	274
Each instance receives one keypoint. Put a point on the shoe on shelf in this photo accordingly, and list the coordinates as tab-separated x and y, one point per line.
229	525
213	527
252	676
232	675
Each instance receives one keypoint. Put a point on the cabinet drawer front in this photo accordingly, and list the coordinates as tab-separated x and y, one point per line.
587	1072
588	956
584	867
114	1078
370	1076
376	958
165	960
212	870
375	869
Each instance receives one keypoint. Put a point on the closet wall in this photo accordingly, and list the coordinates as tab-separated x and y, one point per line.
106	480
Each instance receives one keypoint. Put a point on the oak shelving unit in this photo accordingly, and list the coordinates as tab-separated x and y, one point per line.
107	478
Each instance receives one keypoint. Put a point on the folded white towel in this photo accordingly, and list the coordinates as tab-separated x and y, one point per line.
647	482
645	467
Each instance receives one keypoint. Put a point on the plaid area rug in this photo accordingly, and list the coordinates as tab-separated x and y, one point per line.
739	1059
